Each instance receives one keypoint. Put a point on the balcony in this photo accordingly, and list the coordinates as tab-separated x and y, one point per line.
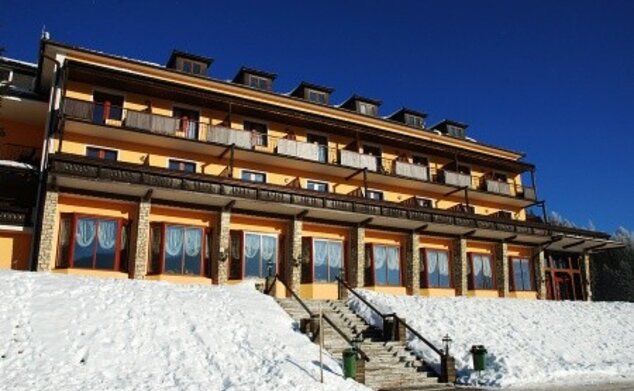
455	178
358	160
300	149
409	170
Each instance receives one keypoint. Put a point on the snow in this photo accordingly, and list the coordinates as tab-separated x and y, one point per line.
62	332
529	342
14	60
13	163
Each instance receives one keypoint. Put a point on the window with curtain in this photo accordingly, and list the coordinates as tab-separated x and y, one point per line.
522	276
435	269
260	250
178	249
481	272
327	259
387	265
91	242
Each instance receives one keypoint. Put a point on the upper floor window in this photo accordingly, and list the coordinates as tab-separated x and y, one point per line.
259	82
424	202
181	165
522	275
188	122
435	271
455	131
107	107
420	160
367	108
179	249
414	121
194	67
317	96
322	142
480	272
5	75
253	176
321	187
260	132
383	265
375	195
101	153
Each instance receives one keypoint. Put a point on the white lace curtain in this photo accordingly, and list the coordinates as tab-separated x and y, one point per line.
269	245
393	261
251	245
321	252
443	263
85	232
380	257
482	264
193	242
335	254
174	241
107	233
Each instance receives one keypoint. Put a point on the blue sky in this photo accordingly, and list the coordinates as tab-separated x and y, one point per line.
552	79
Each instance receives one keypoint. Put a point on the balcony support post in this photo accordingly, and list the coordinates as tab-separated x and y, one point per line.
539	264
356	266
231	155
459	253
221	253
502	268
412	263
365	182
141	238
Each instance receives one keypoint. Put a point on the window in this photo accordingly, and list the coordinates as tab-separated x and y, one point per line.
481	272
414	121
522	276
181	165
317	97
455	131
107	107
101	153
91	242
253	176
179	249
197	69
385	264
466	170
188	122
258	82
321	187
5	75
375	195
424	202
367	108
322	141
325	260
435	272
260	252
420	160
260	132
193	67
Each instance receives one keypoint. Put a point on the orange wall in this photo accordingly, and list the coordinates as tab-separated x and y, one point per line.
15	248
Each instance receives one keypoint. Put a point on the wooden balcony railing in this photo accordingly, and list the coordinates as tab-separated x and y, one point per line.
286	146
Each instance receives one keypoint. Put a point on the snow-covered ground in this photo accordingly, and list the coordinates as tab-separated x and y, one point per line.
72	333
529	342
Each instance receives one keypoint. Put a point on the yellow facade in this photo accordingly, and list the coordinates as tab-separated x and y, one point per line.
15	248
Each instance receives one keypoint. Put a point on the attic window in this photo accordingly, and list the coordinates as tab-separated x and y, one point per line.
5	75
455	131
414	121
367	108
316	96
261	83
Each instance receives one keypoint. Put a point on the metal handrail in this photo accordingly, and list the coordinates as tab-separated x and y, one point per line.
393	315
324	316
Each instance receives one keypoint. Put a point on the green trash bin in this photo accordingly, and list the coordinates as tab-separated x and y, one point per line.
479	357
349	363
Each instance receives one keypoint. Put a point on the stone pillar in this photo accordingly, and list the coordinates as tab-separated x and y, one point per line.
294	255
502	269
412	264
539	263
356	268
585	270
221	250
141	244
459	258
46	251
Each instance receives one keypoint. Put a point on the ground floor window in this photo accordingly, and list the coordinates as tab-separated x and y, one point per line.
383	265
481	272
179	249
522	274
323	260
435	270
252	254
92	242
564	279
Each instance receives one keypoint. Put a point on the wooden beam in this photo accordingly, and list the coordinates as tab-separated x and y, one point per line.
510	238
229	205
470	233
366	222
148	195
359	171
553	239
302	214
455	191
421	228
226	151
595	247
575	244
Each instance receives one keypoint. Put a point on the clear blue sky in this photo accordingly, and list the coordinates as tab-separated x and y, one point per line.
552	79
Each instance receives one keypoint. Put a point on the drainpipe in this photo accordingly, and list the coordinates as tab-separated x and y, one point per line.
42	175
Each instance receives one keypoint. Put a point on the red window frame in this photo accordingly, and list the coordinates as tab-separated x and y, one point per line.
471	276
237	263
424	274
370	278
308	261
69	263
530	270
205	261
101	152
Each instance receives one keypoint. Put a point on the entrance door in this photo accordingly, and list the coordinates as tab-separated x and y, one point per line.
563	284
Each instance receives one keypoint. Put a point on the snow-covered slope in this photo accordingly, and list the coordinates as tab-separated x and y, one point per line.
529	342
72	333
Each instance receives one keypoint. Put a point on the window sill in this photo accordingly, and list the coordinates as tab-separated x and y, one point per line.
92	273
438	292
487	293
389	289
179	279
523	295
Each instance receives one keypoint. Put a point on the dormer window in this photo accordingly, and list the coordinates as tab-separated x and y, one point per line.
255	79
312	93
189	63
317	97
409	117
362	105
451	128
258	82
367	109
414	121
455	131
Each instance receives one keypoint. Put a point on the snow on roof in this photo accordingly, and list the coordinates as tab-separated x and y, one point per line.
21	62
13	163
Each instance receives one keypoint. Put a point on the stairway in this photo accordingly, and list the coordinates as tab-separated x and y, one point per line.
392	365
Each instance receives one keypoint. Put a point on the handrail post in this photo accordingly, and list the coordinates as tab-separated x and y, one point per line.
447	369
342	292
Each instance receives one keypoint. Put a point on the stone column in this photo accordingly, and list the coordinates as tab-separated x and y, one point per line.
356	267
412	264
502	269
294	254
585	270
46	251
141	244
221	253
539	263
459	258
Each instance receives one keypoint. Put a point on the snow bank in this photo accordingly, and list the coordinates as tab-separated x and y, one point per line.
71	333
529	342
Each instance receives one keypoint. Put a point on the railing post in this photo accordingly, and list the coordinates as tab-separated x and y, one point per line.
342	292
314	327
447	369
269	285
400	333
359	375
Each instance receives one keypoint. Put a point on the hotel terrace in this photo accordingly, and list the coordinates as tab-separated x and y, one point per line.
165	173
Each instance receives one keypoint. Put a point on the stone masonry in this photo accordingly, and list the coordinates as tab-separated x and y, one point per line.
585	270
412	264
140	242
502	269
357	257
294	256
221	250
47	239
459	253
539	262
